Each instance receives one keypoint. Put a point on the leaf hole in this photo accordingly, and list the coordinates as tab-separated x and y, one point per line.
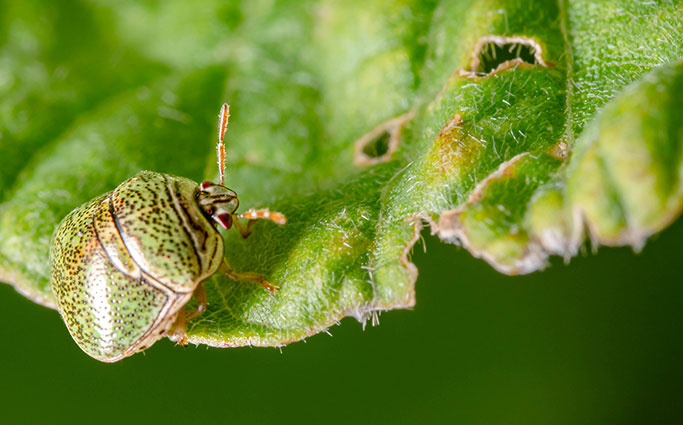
379	144
496	53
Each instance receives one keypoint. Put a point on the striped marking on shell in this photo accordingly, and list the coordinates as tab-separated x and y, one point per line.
102	307
163	230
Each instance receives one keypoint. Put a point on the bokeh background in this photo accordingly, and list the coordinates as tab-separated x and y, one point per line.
595	342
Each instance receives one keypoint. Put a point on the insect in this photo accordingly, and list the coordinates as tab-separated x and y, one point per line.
124	265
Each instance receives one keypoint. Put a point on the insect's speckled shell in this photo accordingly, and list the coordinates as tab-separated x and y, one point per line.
125	263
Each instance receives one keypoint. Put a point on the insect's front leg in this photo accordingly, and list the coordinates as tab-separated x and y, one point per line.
245	231
253	215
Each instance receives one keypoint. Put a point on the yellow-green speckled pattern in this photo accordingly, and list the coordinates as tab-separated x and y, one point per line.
164	231
125	263
111	241
108	313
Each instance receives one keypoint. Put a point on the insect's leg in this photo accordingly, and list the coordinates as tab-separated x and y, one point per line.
177	331
253	215
244	231
199	295
265	214
245	276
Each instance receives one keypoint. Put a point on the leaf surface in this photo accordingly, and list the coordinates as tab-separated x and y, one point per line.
513	128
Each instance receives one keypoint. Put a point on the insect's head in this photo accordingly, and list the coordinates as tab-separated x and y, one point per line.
217	202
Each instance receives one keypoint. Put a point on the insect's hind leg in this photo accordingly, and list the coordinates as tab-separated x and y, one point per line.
199	295
227	271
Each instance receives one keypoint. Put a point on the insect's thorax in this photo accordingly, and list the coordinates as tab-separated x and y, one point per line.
165	230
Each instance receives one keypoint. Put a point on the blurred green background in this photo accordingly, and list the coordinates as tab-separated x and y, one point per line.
595	342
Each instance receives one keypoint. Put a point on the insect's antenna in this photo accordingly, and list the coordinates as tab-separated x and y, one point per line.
220	148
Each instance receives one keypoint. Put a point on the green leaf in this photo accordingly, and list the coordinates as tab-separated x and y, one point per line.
512	128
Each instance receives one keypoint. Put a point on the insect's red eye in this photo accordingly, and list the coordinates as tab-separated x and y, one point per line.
224	220
205	184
